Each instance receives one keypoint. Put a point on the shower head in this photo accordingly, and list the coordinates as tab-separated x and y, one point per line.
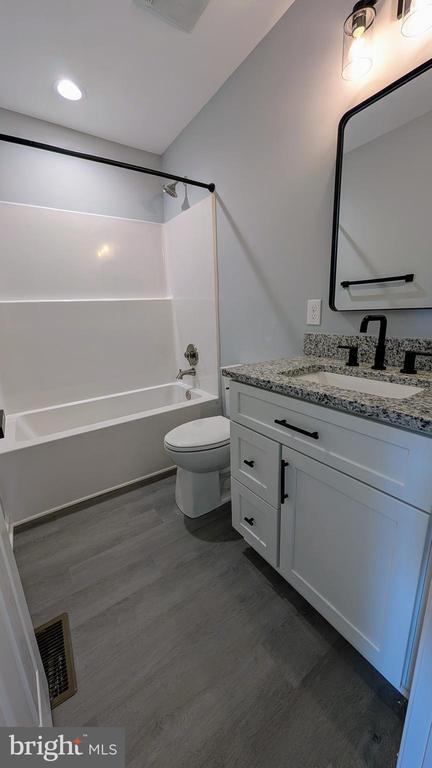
170	189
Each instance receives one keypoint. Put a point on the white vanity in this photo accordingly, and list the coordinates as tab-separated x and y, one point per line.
339	505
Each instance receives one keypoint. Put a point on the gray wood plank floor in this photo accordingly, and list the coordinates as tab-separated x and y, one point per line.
190	640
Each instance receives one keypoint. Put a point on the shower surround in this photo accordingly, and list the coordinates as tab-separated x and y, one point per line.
95	315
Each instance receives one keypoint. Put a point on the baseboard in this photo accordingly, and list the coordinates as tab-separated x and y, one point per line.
88	501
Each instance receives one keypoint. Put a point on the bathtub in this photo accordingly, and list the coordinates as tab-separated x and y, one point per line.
53	457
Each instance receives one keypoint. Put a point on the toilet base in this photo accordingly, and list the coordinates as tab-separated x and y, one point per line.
197	493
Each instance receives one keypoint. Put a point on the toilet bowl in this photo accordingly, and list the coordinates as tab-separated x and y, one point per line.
201	451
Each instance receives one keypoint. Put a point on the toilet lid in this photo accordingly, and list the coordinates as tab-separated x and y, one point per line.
199	434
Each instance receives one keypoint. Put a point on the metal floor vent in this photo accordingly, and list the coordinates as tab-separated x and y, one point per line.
55	646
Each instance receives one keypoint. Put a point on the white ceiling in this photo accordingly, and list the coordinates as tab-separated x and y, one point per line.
144	80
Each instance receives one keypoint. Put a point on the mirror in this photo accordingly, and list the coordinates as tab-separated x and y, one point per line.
382	227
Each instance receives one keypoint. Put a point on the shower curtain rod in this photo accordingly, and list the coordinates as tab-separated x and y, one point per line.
103	160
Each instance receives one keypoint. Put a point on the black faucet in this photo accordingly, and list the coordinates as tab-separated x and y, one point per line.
352	355
410	358
381	346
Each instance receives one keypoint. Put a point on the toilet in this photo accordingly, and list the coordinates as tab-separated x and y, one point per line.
201	451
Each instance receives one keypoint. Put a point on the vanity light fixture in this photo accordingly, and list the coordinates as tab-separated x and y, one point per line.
416	16
358	40
68	90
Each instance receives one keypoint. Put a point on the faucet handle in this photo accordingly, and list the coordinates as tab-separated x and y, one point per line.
353	354
410	358
191	355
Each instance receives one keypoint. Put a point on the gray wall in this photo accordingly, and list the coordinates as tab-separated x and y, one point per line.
268	141
42	178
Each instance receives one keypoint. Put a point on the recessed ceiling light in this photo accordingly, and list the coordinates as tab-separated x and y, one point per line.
69	90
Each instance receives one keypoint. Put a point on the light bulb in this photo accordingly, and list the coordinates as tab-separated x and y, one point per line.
359	23
359	31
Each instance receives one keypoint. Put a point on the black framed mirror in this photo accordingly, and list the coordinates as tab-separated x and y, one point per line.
382	221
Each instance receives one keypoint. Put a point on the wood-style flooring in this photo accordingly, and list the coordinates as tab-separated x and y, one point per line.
186	637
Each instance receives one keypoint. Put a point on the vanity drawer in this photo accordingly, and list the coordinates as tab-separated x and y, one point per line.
393	460
256	521
255	462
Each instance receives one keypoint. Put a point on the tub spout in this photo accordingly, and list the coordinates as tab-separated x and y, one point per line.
187	372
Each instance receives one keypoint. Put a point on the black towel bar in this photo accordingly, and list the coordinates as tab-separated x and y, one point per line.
406	278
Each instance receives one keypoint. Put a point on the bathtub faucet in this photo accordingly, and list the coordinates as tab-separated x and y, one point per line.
187	372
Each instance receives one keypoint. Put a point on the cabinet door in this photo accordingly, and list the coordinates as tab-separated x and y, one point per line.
355	554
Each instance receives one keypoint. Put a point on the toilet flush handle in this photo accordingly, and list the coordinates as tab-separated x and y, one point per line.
249	520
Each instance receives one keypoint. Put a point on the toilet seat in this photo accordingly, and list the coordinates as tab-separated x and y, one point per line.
199	435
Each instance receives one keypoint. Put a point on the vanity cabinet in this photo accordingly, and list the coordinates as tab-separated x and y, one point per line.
333	507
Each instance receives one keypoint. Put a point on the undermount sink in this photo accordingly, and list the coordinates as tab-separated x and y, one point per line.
358	384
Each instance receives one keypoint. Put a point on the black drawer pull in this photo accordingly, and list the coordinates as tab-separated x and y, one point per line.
284	465
249	520
250	463
284	423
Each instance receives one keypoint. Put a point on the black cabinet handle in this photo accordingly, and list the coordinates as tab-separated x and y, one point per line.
250	463
250	520
284	423
284	495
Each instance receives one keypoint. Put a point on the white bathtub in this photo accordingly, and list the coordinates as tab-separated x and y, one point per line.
56	456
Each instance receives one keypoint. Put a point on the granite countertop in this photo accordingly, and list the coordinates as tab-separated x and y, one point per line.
281	376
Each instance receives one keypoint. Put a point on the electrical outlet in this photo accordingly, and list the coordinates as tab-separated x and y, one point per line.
314	312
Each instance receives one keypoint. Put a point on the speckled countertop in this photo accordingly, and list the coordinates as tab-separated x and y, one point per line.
281	376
